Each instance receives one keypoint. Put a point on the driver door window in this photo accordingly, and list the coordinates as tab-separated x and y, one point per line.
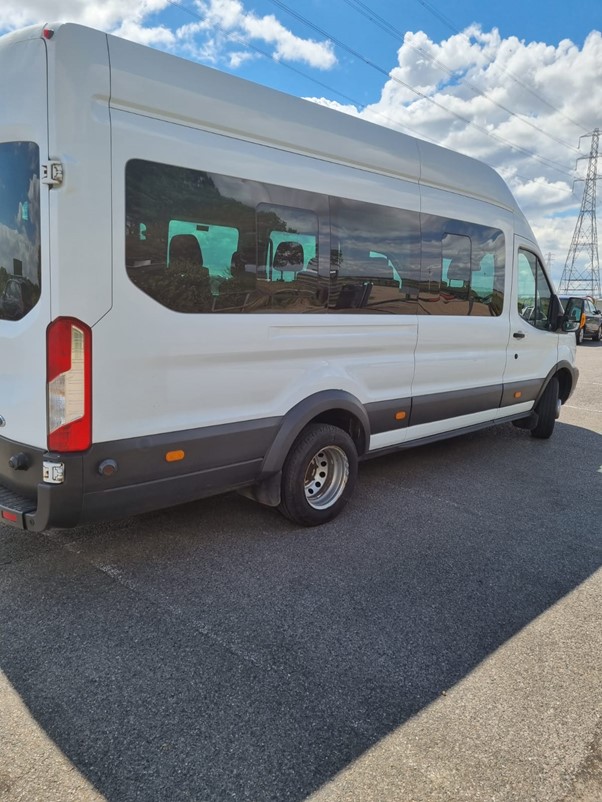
534	291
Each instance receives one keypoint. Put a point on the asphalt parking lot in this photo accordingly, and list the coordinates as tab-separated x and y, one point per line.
441	640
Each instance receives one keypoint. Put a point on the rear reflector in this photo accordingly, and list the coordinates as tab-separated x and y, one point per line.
69	377
9	516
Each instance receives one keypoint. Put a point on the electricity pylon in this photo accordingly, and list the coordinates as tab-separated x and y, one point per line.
577	277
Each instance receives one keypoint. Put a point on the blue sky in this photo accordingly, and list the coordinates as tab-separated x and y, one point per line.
515	83
549	22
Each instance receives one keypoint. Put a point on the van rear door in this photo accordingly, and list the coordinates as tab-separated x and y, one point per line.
24	270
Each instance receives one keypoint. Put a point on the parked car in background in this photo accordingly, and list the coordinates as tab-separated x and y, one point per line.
589	317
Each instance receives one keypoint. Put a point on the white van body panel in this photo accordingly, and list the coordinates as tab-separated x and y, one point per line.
23	118
157	85
80	138
464	175
294	356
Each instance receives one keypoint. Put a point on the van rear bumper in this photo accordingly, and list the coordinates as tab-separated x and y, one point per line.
54	506
26	501
150	472
23	513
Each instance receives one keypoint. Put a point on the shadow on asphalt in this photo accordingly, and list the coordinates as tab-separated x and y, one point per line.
216	652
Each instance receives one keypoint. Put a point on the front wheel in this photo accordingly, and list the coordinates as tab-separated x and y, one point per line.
318	475
547	409
597	335
579	336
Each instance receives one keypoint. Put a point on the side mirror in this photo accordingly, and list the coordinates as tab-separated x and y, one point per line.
559	319
568	325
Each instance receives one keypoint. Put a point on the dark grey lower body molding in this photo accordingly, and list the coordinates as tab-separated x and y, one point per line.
163	470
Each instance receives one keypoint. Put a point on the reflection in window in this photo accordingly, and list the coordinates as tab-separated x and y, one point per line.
202	242
20	267
375	258
455	264
287	240
463	267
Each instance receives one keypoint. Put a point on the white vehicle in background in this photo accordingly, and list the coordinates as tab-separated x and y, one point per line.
209	285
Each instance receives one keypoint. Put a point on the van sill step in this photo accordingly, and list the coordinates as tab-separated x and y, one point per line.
14	507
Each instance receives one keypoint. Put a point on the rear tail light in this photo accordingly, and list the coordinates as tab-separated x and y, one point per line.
69	378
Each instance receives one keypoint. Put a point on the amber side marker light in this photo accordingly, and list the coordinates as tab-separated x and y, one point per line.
174	456
518	394
401	415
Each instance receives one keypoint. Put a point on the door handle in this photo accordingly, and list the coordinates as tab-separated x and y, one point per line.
519	335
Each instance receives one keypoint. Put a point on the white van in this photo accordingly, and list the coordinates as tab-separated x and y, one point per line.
207	285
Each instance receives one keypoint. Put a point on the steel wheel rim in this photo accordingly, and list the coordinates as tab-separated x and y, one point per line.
326	477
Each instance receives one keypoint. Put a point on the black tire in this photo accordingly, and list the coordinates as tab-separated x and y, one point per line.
546	409
318	475
596	336
579	336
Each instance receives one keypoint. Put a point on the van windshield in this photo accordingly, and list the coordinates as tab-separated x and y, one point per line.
19	228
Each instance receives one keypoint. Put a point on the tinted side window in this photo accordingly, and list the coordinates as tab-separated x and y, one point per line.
374	259
20	266
534	291
203	242
463	268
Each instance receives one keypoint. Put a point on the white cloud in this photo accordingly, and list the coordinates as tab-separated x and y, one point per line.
231	18
542	194
334	104
554	234
158	36
239	57
103	14
208	38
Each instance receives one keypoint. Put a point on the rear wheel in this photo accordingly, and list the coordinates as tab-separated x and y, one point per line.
547	409
318	475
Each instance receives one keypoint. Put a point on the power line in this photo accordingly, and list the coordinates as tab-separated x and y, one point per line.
395	123
548	162
234	38
387	27
446	21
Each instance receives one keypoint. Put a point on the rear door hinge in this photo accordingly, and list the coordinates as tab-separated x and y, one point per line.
52	173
